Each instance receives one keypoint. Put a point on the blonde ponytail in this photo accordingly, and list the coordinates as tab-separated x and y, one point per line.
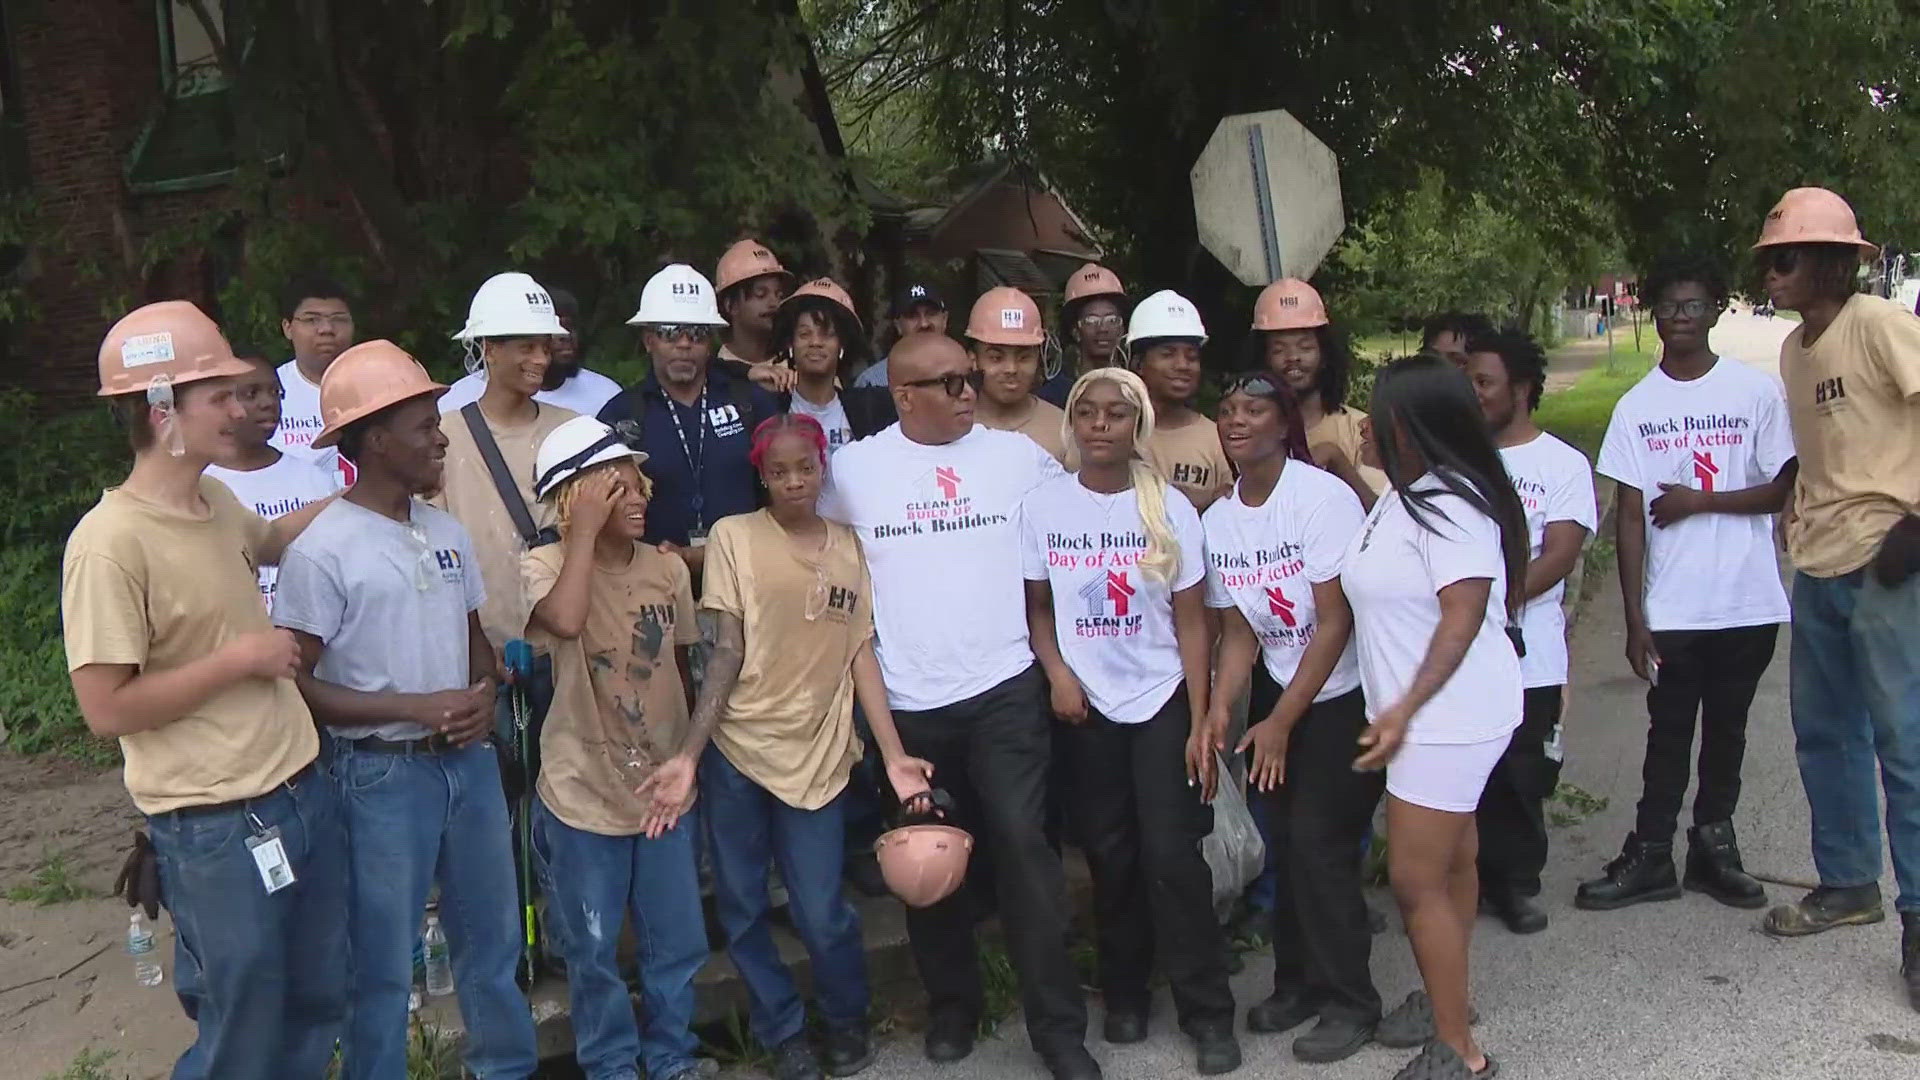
1161	562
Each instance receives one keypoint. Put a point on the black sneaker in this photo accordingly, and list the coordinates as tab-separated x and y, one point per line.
949	1036
1334	1038
1643	872
1216	1051
849	1051
1825	908
1284	1011
793	1060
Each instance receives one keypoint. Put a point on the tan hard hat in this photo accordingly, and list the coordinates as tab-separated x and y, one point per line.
1811	215
171	342
826	289
1093	280
744	261
1006	316
365	379
923	864
1289	304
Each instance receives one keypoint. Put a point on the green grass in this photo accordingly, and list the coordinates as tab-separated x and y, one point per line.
52	883
1570	805
1579	414
89	1064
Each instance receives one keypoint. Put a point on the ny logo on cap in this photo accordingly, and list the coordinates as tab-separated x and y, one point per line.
917	290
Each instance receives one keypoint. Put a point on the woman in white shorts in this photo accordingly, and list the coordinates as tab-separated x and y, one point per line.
1431	578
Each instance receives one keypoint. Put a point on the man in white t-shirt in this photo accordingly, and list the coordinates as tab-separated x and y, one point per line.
1555	485
265	479
568	385
317	320
1709	440
933	499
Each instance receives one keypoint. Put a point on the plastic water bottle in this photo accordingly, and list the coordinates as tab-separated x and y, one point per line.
146	962
439	971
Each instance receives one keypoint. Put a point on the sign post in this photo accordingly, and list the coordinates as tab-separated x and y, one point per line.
1266	197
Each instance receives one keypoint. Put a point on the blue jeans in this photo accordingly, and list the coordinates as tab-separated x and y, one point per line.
1855	670
749	827
598	880
264	975
413	819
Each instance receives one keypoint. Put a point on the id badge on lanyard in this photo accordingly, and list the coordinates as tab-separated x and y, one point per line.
696	466
269	856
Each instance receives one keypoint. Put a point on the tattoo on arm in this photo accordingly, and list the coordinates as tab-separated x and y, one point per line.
728	639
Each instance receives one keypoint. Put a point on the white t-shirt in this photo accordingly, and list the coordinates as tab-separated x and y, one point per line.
300	421
1723	431
1394	571
1113	623
832	417
586	393
1554	483
937	525
280	488
1266	559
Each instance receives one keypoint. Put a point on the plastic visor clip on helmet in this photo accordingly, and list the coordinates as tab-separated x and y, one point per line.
1289	304
1006	316
678	295
1165	314
744	261
507	305
361	381
1811	215
155	348
573	448
922	860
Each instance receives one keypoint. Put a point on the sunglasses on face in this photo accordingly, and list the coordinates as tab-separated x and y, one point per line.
1692	309
675	332
1102	322
954	385
1780	260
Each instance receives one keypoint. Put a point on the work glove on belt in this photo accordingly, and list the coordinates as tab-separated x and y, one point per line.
139	880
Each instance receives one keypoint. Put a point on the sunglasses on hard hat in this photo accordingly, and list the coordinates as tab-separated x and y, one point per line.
697	332
1255	383
954	385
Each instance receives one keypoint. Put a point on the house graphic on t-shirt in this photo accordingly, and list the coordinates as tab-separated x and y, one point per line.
1704	470
1279	606
1102	593
948	481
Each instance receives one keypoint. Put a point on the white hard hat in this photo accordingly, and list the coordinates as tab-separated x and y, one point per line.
510	305
678	296
1165	314
574	447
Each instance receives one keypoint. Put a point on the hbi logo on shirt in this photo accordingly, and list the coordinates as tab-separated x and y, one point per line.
1279	606
948	481
1704	470
1828	391
1107	596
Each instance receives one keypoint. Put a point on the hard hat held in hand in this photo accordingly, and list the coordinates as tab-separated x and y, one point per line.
744	261
678	296
573	448
171	342
1093	280
1006	316
1811	215
1166	314
923	864
825	289
365	379
510	305
1289	304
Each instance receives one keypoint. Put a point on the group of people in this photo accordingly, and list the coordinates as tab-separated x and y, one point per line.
1042	604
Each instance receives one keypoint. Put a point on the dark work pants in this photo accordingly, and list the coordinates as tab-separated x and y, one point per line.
1141	824
1513	809
991	753
1712	673
1318	820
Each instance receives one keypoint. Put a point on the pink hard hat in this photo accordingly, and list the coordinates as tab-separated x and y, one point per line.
1006	316
365	379
1289	304
1093	280
825	289
168	342
923	864
1812	215
744	261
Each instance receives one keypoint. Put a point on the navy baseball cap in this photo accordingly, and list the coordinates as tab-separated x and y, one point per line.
913	296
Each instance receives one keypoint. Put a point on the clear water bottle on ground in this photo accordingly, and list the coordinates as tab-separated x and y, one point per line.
140	946
439	970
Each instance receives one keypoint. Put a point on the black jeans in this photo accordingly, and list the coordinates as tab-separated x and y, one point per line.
1318	821
991	753
1141	824
1513	809
1713	673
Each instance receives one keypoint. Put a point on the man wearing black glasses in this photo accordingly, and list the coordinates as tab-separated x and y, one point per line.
693	418
933	499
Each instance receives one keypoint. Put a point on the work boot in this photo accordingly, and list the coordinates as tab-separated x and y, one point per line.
1644	871
1520	914
1910	955
793	1060
1284	1011
849	1050
1713	867
949	1036
1216	1051
1825	908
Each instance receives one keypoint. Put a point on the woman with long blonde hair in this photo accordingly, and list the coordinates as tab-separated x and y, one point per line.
1114	567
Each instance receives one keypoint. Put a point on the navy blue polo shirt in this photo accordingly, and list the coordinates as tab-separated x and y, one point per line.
702	462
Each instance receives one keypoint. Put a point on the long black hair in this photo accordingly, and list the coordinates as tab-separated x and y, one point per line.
855	350
1431	402
1336	363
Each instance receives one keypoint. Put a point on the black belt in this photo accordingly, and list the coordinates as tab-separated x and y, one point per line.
299	777
428	744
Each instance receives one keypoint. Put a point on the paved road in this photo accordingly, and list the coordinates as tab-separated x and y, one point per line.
1688	989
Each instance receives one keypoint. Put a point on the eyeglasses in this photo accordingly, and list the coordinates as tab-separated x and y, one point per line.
696	333
1780	260
1102	322
1692	309
314	322
954	385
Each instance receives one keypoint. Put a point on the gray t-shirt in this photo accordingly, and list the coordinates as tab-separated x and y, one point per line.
388	599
